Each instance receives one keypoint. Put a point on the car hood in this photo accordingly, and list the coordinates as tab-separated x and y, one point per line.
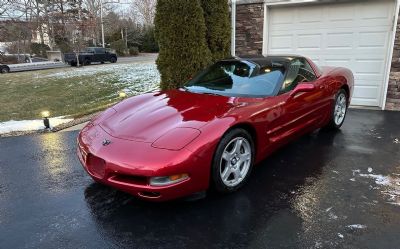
147	117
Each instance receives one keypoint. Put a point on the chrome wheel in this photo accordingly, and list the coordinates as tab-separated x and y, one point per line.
235	161
340	109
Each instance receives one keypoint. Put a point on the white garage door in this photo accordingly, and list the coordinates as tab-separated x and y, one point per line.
353	35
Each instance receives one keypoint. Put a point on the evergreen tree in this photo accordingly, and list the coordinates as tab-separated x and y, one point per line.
180	31
216	15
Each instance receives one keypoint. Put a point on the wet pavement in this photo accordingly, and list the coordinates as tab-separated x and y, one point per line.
325	190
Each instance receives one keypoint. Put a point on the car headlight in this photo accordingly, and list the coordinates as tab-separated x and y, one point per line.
167	180
176	139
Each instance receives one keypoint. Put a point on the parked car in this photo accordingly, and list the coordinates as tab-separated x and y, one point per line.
30	66
209	133
4	68
90	55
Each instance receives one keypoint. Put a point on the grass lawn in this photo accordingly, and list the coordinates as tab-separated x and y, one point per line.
72	91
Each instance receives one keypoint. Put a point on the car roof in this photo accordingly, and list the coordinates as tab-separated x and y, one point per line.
262	60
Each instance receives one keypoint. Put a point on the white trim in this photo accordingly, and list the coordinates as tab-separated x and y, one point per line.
265	31
291	2
233	31
385	87
390	54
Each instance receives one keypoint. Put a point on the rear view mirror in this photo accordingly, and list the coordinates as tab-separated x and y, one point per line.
301	88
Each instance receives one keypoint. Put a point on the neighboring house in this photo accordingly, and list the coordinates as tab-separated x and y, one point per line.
36	35
361	35
3	47
33	33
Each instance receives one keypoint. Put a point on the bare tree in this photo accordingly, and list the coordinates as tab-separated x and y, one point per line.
71	24
5	6
145	10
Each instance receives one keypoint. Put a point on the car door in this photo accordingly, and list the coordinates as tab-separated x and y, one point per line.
100	54
302	110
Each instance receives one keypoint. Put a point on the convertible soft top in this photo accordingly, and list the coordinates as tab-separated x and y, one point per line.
263	61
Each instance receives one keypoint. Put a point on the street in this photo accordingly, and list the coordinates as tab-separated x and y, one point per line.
325	190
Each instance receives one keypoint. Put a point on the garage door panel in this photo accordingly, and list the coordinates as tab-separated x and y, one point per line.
364	102
340	40
368	92
281	17
341	13
309	41
375	11
368	81
309	15
353	35
281	42
337	63
369	66
373	39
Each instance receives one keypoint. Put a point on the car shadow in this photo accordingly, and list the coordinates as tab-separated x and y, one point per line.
266	203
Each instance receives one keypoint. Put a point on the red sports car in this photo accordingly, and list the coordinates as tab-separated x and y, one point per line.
209	133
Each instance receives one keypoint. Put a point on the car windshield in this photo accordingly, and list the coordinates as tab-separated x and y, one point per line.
238	78
88	50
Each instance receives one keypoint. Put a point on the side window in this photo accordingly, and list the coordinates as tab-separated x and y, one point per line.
100	51
298	71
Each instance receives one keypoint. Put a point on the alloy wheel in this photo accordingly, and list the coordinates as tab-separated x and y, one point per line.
340	109
235	161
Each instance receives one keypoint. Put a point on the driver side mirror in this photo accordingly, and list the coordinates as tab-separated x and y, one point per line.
302	88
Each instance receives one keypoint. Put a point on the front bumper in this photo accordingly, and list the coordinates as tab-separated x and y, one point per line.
128	166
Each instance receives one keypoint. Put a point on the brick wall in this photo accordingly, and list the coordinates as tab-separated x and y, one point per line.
393	94
249	28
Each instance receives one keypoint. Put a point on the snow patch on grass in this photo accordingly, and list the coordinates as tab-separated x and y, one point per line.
30	125
135	78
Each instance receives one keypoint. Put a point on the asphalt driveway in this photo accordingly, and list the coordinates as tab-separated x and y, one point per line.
326	190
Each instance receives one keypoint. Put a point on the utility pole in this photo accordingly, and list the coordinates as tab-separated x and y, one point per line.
102	23
101	18
126	37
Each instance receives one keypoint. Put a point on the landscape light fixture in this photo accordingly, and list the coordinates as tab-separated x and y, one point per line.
46	121
122	94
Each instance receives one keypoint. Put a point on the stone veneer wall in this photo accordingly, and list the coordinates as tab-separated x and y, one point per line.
393	94
249	28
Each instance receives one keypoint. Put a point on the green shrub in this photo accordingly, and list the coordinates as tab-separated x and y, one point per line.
148	41
133	51
216	15
63	44
180	31
39	49
119	47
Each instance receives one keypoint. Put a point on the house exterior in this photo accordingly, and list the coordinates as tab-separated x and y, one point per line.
361	35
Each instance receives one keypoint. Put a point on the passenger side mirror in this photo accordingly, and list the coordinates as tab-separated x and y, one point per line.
301	88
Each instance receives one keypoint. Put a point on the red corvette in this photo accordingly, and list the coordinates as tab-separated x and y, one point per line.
209	133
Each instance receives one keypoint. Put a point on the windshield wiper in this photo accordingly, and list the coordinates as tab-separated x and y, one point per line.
184	88
208	93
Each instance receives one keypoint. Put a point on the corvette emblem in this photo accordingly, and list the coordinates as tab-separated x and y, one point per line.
106	142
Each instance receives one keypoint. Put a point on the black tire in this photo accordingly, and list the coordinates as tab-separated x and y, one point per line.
334	124
113	60
102	62
4	69
73	64
217	182
87	62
